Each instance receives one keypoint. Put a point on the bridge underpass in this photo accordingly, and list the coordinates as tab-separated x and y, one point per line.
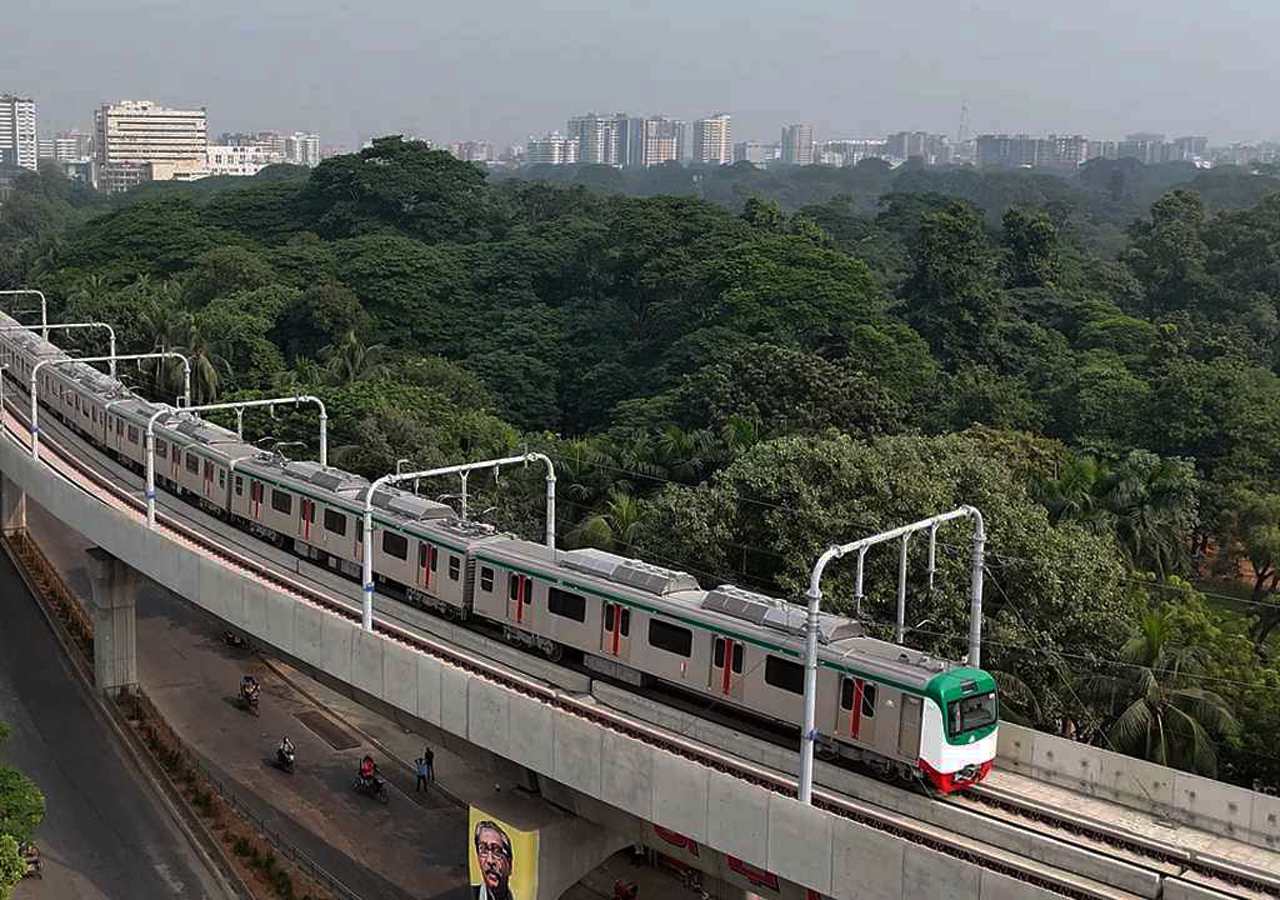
620	769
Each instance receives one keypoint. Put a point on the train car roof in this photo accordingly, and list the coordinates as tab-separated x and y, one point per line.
777	614
346	489
192	432
453	532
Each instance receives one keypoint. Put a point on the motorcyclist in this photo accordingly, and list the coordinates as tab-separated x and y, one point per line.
249	687
286	748
368	771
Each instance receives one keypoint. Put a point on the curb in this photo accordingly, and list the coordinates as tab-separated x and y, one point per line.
220	868
275	666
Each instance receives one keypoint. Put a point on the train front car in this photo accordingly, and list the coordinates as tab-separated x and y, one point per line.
958	731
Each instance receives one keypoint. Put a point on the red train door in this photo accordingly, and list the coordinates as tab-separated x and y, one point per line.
519	599
726	667
615	637
428	557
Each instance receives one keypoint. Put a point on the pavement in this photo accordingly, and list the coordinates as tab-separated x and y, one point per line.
106	835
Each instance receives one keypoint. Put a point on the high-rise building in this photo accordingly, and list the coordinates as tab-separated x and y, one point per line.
553	150
73	145
663	141
1024	151
140	141
797	145
302	149
850	152
712	140
237	159
474	151
19	145
757	153
601	139
932	149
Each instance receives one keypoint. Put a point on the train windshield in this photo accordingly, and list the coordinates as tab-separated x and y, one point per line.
973	712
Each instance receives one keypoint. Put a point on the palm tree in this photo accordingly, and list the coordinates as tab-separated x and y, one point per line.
615	529
179	332
740	434
1160	713
350	360
1075	494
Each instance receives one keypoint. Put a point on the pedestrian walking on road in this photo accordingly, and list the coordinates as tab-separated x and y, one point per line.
429	756
420	764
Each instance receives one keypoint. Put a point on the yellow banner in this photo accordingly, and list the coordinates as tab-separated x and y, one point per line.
503	859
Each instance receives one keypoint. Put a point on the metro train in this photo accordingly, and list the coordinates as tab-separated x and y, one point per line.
901	711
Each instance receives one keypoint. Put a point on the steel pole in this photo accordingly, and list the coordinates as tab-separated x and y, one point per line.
463	495
900	632
809	736
975	590
324	436
35	417
366	562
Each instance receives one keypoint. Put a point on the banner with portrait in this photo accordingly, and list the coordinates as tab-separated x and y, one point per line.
503	860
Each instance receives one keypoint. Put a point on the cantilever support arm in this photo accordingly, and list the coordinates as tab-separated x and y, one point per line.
239	406
35	372
44	307
462	470
814	595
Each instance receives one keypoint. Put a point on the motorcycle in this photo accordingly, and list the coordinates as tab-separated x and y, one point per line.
249	702
285	759
375	786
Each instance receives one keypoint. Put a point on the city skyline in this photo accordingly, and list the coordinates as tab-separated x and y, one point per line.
495	74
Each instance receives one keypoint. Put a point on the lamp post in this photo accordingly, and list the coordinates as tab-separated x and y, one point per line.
35	370
462	471
810	736
44	307
210	407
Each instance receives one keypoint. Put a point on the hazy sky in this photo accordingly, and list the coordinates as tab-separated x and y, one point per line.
503	69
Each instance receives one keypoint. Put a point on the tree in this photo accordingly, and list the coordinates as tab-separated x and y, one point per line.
319	316
1254	535
224	271
350	360
953	297
615	528
1032	243
1159	710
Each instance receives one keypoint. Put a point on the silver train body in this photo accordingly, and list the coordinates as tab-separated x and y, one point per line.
887	705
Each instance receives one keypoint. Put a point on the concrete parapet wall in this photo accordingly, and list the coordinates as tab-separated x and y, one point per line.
1190	799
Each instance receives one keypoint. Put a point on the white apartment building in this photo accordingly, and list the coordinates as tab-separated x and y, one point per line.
302	149
237	159
797	145
553	150
131	134
19	145
713	140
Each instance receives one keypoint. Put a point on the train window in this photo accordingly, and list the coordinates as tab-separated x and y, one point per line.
972	712
624	627
737	655
119	426
868	701
222	478
193	464
335	521
455	568
486	579
239	485
396	545
281	501
671	638
563	603
162	449
846	693
784	674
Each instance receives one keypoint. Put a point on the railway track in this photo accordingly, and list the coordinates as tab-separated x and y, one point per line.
85	477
